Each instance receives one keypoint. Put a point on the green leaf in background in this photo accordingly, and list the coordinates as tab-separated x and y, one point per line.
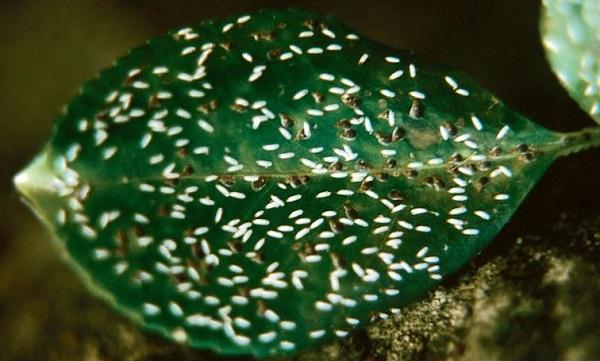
264	183
571	36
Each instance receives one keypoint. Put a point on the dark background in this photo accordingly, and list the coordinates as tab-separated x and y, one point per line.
49	48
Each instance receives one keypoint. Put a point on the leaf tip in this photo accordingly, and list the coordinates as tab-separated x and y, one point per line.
35	181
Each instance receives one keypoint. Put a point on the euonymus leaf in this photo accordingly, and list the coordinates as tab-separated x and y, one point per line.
261	184
571	32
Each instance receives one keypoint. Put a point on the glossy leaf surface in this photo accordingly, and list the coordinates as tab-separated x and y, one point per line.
264	183
571	34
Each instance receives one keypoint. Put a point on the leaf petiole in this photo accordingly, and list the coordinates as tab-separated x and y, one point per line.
575	142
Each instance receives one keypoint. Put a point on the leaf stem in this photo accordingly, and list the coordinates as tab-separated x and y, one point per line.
578	141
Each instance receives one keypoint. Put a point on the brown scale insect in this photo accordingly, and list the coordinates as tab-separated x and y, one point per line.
226	179
374	316
163	211
182	152
203	270
154	101
312	24
239	108
384	115
336	226
383	138
365	186
348	134
398	133
197	251
338	261
411	173
350	212
303	253
132	77
318	97
261	308
454	171
452	129
257	257
344	124
172	182
255	36
103	115
195	264
286	120
263	35
289	180
301	135
350	100
235	246
294	181
586	136
382	176
178	36
138	231
391	163
417	110
274	54
188	170
209	107
178	278
336	166
259	183
309	249
438	183
527	156
81	194
362	165
495	151
395	195
189	232
522	148
243	291
456	158
122	242
304	179
323	25
227	45
484	165
480	183
429	180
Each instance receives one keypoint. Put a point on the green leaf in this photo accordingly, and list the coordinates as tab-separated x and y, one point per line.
571	36
264	183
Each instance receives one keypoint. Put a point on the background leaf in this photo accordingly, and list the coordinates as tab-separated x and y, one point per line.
571	36
228	207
